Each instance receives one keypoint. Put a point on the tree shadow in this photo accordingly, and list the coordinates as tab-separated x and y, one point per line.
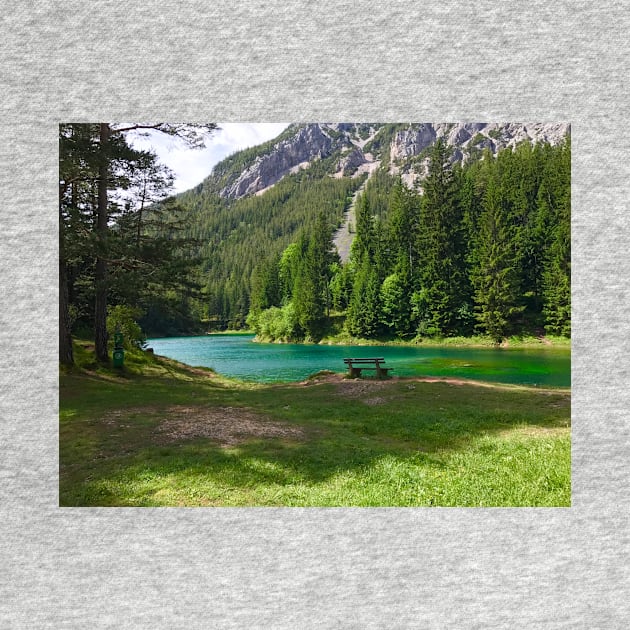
344	433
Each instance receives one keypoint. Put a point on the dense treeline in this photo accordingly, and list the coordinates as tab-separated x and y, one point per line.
238	235
483	248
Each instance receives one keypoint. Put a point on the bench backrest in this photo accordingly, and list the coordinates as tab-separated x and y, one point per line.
375	360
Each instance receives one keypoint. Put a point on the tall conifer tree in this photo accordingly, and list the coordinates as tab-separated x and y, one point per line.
311	298
441	251
495	278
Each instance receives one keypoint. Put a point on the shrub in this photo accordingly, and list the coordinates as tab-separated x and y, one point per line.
123	319
276	324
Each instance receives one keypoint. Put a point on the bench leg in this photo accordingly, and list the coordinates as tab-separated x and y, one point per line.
355	372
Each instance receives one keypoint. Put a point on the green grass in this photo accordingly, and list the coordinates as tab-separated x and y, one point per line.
515	342
336	442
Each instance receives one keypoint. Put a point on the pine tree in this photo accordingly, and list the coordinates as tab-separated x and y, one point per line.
396	302
77	172
557	287
97	160
495	278
364	312
404	212
364	242
556	193
399	285
311	297
368	259
265	285
340	286
289	266
518	179
442	273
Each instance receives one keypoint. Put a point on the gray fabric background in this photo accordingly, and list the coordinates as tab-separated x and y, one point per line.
330	61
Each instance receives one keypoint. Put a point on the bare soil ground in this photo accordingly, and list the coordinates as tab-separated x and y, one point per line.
359	387
227	425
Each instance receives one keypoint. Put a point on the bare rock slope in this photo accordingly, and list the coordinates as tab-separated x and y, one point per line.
362	147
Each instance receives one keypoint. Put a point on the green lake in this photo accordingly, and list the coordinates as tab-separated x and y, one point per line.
239	357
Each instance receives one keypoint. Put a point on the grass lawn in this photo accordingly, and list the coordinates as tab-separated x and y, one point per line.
163	434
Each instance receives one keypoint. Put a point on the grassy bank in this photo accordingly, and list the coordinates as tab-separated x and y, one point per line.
344	339
240	331
478	341
161	433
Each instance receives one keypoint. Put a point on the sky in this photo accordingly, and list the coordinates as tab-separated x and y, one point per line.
192	166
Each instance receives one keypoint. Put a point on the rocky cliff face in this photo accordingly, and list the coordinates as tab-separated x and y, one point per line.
464	136
310	142
360	148
410	147
412	141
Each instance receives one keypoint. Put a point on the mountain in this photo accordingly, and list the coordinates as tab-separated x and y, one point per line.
252	171
361	148
257	201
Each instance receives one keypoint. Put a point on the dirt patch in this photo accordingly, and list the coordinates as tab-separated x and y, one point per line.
462	381
227	425
363	389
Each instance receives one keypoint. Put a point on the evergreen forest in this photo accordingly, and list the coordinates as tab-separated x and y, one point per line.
240	237
482	248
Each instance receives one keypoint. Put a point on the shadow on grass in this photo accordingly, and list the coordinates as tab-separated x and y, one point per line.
347	431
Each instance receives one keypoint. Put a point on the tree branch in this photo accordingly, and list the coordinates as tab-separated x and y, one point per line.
192	134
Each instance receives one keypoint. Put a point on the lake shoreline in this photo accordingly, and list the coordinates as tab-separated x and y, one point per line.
453	342
340	377
515	343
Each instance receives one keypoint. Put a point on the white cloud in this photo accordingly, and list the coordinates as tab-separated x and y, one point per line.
192	166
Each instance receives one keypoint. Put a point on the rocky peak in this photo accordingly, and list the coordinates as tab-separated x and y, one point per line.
465	140
412	141
417	137
301	145
308	143
297	148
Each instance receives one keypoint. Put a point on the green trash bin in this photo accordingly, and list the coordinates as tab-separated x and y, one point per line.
119	357
119	353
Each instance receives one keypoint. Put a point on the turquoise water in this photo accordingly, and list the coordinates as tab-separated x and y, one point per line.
238	356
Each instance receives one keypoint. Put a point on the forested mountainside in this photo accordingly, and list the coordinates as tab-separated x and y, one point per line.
481	210
444	229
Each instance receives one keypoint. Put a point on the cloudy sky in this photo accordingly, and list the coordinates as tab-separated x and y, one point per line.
191	166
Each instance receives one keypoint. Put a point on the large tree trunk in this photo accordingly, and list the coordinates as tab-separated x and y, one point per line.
66	356
100	275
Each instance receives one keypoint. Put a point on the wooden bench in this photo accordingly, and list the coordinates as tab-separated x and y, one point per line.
356	365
